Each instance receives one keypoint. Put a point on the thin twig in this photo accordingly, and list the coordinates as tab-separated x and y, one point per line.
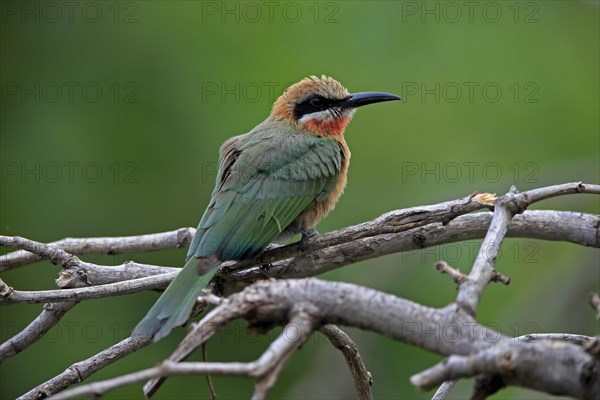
279	350
93	292
77	273
199	333
361	377
483	270
579	340
595	303
83	369
498	277
105	245
51	252
166	368
272	361
525	199
444	268
443	390
209	382
50	316
87	274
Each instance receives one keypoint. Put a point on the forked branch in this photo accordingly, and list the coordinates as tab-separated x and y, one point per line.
316	305
473	349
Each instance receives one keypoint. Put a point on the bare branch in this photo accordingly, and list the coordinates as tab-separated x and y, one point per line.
211	387
506	208
87	274
444	268
578	340
401	230
362	307
573	227
333	302
199	333
577	227
362	378
473	348
270	360
94	292
49	317
592	347
5	290
263	385
391	222
483	269
51	252
77	273
82	369
595	303
443	390
498	277
95	274
104	245
522	365
166	368
410	218
525	199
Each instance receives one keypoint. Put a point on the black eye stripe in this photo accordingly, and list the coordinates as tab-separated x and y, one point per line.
314	103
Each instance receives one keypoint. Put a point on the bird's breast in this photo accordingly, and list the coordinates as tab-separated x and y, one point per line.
311	217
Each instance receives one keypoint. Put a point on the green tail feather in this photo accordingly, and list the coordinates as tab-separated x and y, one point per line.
174	306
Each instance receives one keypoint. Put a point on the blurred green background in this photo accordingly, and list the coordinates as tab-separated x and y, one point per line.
112	114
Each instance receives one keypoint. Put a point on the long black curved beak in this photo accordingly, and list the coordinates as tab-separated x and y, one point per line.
364	98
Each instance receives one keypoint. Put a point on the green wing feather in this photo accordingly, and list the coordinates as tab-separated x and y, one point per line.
265	182
266	179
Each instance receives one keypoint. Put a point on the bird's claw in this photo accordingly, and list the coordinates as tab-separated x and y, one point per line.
306	234
265	265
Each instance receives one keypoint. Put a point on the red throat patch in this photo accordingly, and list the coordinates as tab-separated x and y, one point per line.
330	127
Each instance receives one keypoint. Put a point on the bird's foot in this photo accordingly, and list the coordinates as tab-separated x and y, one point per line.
271	246
306	234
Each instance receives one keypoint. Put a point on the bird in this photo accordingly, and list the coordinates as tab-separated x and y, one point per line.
273	183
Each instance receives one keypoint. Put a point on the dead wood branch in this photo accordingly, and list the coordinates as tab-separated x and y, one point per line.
362	378
473	349
314	304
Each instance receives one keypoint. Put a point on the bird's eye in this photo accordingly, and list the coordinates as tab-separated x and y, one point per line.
316	102
312	104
